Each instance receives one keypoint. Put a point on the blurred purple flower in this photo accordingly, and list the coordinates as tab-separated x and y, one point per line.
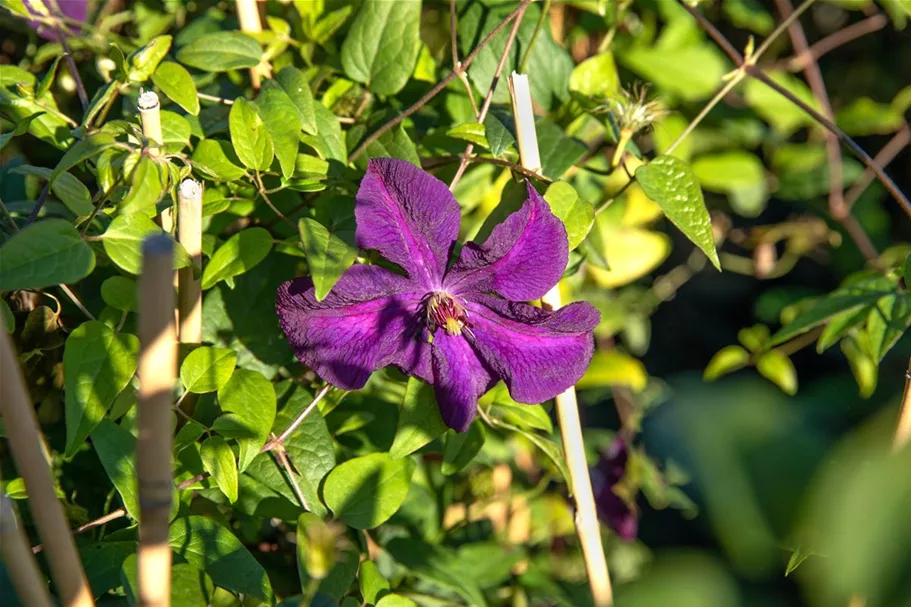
615	511
76	10
460	329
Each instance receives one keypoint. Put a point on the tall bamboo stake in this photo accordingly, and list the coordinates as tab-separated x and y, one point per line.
587	527
26	446
157	376
189	232
248	15
20	562
150	116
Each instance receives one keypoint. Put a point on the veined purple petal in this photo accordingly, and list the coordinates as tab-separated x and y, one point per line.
538	353
522	258
369	320
409	216
77	10
459	379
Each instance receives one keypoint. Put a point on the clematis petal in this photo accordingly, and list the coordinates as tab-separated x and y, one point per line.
459	379
522	258
76	10
409	216
538	353
368	321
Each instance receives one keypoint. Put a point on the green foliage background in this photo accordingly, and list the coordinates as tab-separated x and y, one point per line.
772	486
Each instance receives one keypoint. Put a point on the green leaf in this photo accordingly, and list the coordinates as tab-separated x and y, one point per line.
175	82
726	360
850	296
864	116
175	131
558	151
888	320
116	448
249	136
221	52
576	214
283	122
691	72
295	84
66	187
247	401
419	420
102	562
190	587
500	131
461	447
382	46
372	583
840	325
778	368
218	460
144	62
596	77
329	254
149	180
239	254
527	417
395	143
470	131
749	14
50	126
97	365
779	112
330	142
738	174
216	158
365	491
797	557
214	549
207	369
84	149
864	367
395	600
671	183
122	242
45	253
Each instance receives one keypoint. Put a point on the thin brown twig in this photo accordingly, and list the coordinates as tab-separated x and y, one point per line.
886	155
757	73
837	208
488	99
453	31
74	71
439	86
835	40
438	161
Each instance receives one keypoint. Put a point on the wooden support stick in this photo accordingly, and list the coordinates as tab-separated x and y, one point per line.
150	116
26	446
157	376
587	527
20	562
189	232
248	15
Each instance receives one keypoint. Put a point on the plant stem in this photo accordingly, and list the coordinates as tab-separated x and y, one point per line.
587	527
453	31
438	161
488	99
542	18
835	40
439	86
297	421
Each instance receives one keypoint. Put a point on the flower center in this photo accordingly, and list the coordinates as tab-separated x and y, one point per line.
444	311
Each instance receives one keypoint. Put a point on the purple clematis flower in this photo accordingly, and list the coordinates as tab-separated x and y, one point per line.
615	511
77	10
461	328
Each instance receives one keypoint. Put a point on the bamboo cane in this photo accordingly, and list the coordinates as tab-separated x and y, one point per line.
157	375
248	15
26	446
20	562
587	527
150	116
189	232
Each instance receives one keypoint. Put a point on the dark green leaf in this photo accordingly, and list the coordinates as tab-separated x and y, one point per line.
221	51
382	46
329	254
116	449
46	253
295	85
97	365
365	491
283	122
461	447
207	369
175	81
247	401
239	254
419	420
218	460
214	549
249	136
217	159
